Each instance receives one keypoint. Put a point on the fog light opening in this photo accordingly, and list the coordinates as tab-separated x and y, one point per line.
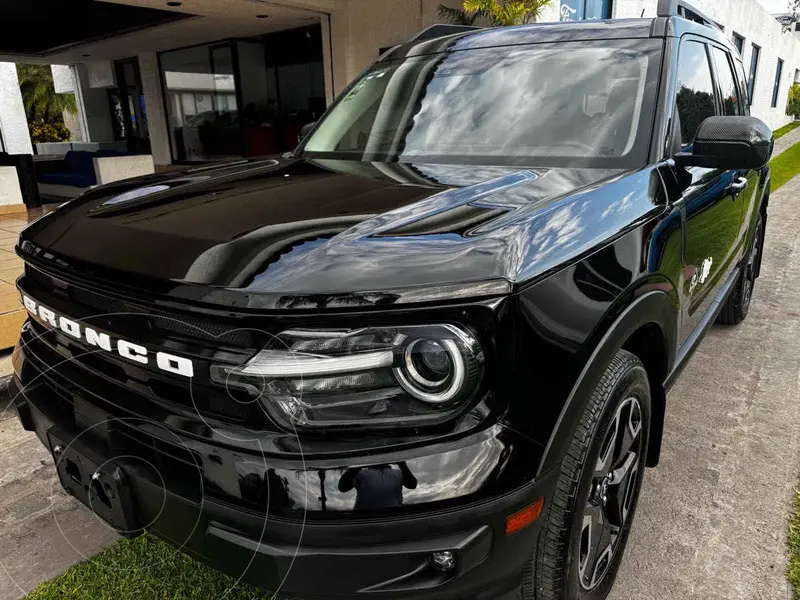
444	561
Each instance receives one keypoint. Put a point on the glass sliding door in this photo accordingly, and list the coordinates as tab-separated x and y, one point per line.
259	94
579	10
201	103
297	57
247	97
128	114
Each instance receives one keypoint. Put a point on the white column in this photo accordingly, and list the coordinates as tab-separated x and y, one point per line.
13	121
76	86
360	28
327	61
154	102
95	107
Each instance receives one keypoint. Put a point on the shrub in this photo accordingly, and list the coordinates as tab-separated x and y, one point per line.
48	132
793	105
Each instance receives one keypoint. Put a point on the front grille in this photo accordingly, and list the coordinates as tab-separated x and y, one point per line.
232	334
209	331
68	360
104	304
201	341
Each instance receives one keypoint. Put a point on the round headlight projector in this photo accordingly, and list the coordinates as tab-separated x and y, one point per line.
433	371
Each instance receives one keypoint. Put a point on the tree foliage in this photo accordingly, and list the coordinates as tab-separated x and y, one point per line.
497	12
793	104
44	108
694	107
456	16
39	94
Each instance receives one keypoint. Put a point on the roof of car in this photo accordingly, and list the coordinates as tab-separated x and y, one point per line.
609	29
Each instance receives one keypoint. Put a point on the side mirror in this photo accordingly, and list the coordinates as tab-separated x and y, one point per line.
729	143
304	131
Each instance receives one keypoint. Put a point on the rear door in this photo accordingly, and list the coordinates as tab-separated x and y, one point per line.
708	197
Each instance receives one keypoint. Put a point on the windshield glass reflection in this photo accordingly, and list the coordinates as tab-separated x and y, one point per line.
546	101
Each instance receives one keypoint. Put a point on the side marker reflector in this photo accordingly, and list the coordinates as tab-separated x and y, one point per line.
520	520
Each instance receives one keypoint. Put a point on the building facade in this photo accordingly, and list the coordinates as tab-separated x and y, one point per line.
200	80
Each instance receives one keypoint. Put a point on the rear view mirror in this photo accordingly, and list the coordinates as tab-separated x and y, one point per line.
304	131
729	143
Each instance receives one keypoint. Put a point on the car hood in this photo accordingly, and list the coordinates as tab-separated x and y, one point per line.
292	228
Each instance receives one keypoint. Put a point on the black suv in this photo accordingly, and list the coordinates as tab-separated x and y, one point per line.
427	354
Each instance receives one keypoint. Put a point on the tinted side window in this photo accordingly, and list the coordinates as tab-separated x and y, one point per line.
695	98
739	66
731	103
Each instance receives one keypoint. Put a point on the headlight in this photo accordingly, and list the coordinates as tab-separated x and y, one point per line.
387	376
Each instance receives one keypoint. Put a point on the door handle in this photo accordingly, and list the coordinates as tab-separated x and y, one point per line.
736	187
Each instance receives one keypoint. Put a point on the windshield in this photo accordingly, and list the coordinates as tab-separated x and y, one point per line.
570	103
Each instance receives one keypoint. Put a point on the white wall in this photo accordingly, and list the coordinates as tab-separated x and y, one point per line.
751	21
154	102
756	25
62	79
96	110
13	122
101	74
362	27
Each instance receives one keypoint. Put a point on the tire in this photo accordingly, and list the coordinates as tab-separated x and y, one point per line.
736	307
559	570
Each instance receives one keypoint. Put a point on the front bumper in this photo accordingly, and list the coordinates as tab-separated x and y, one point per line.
333	555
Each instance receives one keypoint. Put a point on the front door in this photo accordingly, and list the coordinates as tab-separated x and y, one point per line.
711	198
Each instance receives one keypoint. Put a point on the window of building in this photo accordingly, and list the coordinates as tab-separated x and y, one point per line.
731	103
201	102
738	41
777	85
695	90
247	97
580	10
751	80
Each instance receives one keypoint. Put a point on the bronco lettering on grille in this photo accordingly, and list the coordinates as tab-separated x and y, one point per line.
127	350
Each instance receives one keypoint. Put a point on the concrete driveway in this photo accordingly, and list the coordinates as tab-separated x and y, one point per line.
711	520
712	516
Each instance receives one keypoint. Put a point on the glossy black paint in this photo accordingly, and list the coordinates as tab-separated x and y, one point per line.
554	268
284	234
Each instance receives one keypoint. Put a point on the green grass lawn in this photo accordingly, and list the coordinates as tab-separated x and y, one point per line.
793	568
781	131
144	568
785	166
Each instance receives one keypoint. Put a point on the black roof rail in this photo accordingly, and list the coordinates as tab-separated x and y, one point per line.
679	8
435	31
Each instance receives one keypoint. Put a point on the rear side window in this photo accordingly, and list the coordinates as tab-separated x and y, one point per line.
739	66
731	102
695	96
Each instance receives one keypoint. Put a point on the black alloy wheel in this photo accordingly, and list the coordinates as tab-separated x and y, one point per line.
586	524
611	491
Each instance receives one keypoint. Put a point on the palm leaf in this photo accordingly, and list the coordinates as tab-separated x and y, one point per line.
507	12
455	15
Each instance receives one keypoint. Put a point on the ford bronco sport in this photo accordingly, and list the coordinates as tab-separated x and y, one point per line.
426	355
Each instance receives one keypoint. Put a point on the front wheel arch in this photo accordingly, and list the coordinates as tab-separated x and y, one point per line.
653	309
